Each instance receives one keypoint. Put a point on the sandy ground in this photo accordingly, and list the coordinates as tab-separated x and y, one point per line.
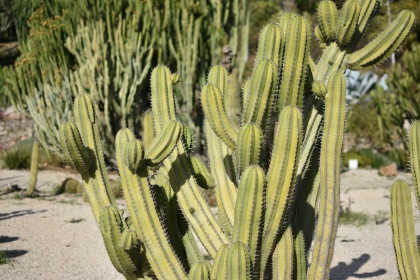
55	237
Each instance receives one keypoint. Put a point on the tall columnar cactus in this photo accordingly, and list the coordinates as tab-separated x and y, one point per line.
402	219
268	197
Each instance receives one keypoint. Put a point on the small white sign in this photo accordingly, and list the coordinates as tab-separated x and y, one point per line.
353	164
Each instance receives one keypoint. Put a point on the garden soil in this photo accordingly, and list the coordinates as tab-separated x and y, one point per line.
56	237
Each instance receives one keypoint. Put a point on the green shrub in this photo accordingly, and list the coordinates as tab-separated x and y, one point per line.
367	158
19	155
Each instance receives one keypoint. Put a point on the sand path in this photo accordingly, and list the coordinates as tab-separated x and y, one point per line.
55	237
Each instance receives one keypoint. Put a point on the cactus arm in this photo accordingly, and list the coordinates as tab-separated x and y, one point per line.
384	44
190	244
148	132
218	75
295	59
299	271
261	90
211	100
333	59
414	140
249	209
280	178
271	43
330	163
221	163
219	266
238	262
348	21
179	168
311	133
203	176
368	10
327	15
200	271
164	143
283	256
403	234
125	261
87	123
233	99
250	141
34	168
145	219
76	154
224	174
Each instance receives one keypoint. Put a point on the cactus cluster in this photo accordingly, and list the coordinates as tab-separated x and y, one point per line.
274	165
106	48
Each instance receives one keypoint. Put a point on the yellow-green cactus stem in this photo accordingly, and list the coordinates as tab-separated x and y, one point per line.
284	20
73	149
245	91
219	269
143	214
34	168
319	89
318	35
327	15
348	21
148	131
414	140
218	75
164	143
296	55
188	139
222	169
368	9
233	100
384	44
200	271
403	234
128	239
203	176
211	100
249	209
281	178
127	262
250	140
261	91
175	78
238	262
330	165
270	43
180	171
134	154
283	256
299	270
98	183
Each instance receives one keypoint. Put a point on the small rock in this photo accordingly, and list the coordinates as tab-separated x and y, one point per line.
388	170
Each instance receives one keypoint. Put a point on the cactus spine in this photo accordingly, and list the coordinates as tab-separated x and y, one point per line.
268	197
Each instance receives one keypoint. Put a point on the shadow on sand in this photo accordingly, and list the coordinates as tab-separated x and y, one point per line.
14	214
343	271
